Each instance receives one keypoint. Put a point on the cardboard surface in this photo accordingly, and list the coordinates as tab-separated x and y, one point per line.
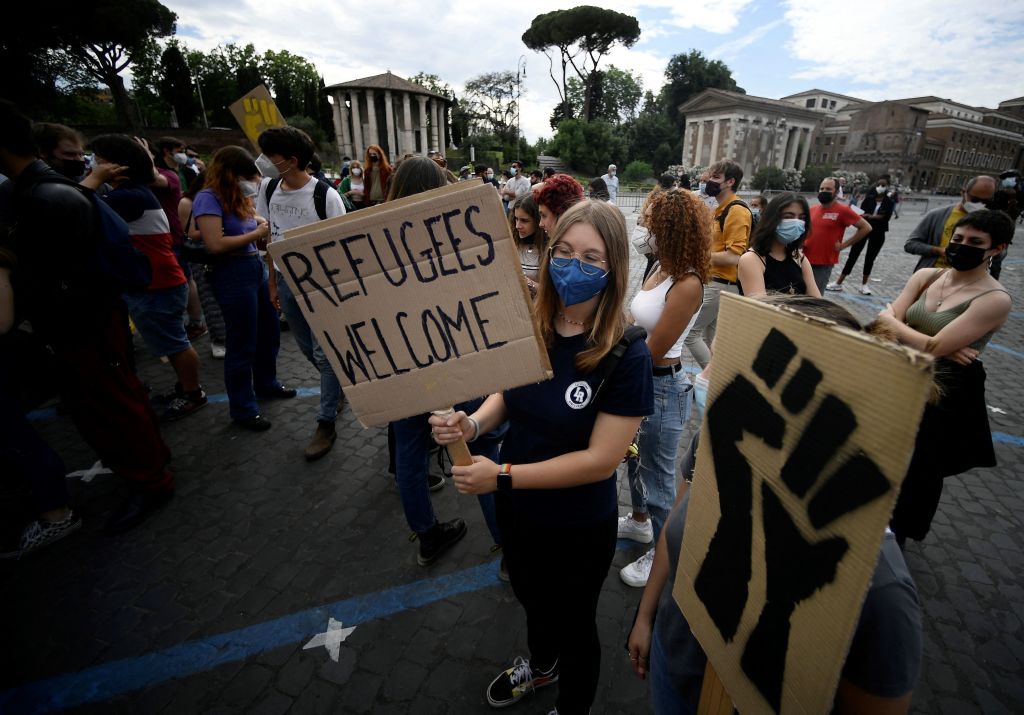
255	112
807	436
418	303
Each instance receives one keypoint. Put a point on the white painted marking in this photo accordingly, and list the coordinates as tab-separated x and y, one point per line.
997	410
331	639
89	474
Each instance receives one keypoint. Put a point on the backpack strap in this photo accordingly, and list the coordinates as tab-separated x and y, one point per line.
725	212
271	188
320	198
609	362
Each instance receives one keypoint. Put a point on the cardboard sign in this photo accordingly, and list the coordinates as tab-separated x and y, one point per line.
418	303
255	112
807	435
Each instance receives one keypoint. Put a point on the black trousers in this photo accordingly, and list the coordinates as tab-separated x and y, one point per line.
557	574
874	240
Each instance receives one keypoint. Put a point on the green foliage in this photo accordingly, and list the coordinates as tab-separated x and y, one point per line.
579	35
688	75
769	178
587	146
636	171
176	85
813	176
794	179
615	96
433	83
489	103
647	134
664	156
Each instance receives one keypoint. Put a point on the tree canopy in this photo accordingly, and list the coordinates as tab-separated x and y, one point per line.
688	75
582	36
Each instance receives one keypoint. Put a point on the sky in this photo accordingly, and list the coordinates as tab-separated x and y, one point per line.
966	51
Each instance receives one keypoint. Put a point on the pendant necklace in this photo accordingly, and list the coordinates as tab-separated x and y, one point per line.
946	297
571	322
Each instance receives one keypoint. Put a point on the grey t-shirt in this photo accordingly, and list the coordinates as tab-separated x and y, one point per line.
884	658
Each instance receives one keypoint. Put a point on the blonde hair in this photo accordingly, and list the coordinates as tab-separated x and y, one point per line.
608	322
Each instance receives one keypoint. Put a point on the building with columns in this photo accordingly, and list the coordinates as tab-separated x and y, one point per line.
752	131
400	116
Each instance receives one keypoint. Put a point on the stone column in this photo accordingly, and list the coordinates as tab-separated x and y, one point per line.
422	100
358	145
408	142
794	143
698	159
686	155
389	124
371	115
439	113
341	131
730	140
716	127
805	148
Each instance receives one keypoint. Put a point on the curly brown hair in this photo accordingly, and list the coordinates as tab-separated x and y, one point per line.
681	225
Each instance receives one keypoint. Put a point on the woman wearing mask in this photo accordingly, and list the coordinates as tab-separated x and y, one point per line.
529	238
774	262
554	197
377	172
352	186
556	492
230	228
666	306
951	314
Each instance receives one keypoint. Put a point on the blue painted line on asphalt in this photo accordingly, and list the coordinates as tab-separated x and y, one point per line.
1008	439
102	682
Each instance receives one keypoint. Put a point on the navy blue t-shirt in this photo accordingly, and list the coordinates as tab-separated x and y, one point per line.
556	417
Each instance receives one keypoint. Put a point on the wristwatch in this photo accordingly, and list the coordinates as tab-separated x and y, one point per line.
505	478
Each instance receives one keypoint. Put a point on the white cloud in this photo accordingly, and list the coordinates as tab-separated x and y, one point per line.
718	17
969	52
730	49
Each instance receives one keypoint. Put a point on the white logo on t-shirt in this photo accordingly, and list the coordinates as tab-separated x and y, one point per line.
578	395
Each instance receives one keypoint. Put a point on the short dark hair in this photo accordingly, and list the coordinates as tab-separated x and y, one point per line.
16	131
122	149
684	181
479	169
996	224
168	144
729	169
48	135
667	181
537	173
886	177
287	142
834	180
548	171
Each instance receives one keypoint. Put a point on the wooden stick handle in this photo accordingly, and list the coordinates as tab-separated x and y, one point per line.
713	698
458	451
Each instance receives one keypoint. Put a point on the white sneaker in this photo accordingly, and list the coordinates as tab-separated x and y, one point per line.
217	350
636	573
837	287
865	289
639	531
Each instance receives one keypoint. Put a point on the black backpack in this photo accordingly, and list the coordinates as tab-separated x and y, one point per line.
725	212
123	267
319	195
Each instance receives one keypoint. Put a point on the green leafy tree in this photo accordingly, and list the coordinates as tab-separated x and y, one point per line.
489	101
813	176
176	85
587	146
648	134
769	178
637	171
581	36
614	96
687	75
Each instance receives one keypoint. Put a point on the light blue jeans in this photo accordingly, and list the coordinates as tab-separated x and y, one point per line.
652	478
330	387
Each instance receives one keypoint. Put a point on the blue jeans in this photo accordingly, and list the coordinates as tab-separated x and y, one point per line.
652	478
412	457
253	333
330	388
665	699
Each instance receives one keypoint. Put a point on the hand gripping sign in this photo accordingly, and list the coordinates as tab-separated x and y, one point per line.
255	112
418	303
807	436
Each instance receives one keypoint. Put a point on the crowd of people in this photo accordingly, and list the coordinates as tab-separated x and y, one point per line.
546	455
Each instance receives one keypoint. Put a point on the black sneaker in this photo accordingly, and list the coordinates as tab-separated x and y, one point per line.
280	392
42	533
184	406
258	423
439	539
166	398
517	681
435	482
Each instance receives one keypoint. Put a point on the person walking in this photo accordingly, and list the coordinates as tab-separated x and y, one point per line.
878	207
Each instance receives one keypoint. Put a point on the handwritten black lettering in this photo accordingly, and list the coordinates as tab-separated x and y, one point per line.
480	322
427	315
350	360
306	277
331	272
387	351
408	345
459	322
486	260
455	240
354	332
427	254
438	248
398	259
354	261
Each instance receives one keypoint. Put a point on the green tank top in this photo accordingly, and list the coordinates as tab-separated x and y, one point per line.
924	321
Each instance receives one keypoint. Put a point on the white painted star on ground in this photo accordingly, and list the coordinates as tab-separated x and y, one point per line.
331	639
997	410
87	475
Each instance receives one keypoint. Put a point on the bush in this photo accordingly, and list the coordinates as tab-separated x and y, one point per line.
813	176
587	146
769	178
663	156
636	171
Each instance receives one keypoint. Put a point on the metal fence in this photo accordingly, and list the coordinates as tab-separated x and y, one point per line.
631	201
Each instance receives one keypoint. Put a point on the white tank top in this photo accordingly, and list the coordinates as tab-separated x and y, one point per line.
647	307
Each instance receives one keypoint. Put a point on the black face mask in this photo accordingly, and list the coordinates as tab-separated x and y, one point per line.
71	168
963	257
712	188
825	197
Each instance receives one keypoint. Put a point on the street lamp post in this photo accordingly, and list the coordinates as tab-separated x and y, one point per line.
520	76
199	89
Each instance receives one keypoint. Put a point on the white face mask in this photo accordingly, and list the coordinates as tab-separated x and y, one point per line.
357	172
489	175
267	167
249	188
972	206
644	242
513	171
180	158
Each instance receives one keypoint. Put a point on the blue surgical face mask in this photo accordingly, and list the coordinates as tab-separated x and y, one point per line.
789	230
701	186
513	171
755	212
573	285
1009	182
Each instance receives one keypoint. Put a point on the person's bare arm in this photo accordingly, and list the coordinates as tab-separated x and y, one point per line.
985	315
211	228
808	274
682	301
751	274
863	229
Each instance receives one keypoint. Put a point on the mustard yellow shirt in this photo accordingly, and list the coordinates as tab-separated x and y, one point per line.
947	233
735	237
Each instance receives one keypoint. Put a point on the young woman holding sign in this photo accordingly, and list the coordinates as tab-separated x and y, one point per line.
556	491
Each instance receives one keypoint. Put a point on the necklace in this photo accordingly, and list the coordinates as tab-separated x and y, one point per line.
571	322
946	282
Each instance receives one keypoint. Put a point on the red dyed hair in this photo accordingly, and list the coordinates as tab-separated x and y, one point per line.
559	193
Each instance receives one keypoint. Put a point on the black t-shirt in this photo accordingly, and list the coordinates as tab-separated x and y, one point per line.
556	417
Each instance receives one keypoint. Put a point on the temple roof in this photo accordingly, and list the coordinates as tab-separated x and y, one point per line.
388	81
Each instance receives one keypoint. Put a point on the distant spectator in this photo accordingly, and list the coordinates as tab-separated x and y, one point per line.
666	181
611	180
61	148
485	175
599	190
352	186
377	171
316	168
536	177
548	173
684	181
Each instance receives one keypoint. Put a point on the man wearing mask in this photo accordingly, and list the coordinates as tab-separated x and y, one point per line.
878	207
611	180
1007	200
730	235
931	236
486	175
516	187
829	220
170	155
61	148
